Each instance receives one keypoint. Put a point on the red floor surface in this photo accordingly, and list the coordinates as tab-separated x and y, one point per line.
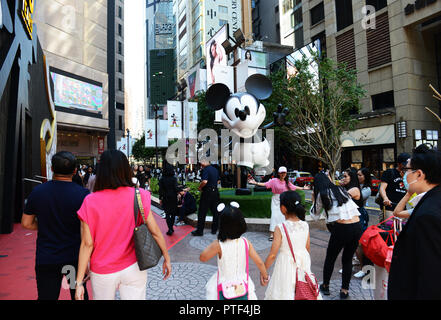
17	261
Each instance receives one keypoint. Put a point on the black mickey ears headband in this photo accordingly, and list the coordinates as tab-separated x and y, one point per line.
221	206
257	84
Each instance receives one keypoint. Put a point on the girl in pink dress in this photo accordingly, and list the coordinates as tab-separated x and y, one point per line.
277	186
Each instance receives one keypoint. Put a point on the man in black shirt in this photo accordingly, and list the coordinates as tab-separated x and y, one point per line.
392	188
209	198
55	205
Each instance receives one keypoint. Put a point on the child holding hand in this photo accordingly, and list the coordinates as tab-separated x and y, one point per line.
282	284
232	253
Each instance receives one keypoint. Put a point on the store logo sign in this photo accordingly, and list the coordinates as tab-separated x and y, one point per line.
25	12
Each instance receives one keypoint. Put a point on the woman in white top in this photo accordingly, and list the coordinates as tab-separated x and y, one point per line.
342	218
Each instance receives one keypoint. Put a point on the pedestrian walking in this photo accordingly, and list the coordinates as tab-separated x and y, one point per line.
392	188
107	225
209	198
233	252
283	279
277	186
168	196
141	176
51	209
416	260
365	179
342	219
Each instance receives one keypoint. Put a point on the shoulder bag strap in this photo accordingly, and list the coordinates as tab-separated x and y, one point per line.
247	257
289	242
139	206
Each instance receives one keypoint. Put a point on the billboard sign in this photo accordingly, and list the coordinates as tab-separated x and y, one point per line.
215	55
73	93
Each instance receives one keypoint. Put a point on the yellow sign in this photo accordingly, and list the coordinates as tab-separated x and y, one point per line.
26	11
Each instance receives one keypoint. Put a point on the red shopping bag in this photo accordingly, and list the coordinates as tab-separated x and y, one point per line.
374	246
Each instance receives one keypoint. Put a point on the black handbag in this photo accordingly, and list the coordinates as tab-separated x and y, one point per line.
147	250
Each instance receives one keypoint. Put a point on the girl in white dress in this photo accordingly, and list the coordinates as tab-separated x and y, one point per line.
283	280
231	253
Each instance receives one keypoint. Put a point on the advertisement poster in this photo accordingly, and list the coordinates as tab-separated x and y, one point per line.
256	59
100	145
192	84
174	110
216	56
73	93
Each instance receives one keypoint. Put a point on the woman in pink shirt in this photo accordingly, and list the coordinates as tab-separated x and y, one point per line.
278	186
107	225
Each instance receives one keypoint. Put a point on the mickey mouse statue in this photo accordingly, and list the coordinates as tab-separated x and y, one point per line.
243	114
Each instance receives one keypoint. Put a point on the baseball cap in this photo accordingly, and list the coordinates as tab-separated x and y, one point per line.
282	169
403	157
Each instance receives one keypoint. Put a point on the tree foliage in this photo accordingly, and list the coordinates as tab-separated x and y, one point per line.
143	154
322	99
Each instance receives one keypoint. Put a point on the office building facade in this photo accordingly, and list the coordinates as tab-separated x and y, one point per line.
395	48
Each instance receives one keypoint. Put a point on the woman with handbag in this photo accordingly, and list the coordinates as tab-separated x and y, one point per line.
342	219
291	246
232	281
107	233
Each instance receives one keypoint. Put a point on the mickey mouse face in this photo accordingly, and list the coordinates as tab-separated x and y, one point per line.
242	112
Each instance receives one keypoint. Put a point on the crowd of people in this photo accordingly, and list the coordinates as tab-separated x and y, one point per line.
90	226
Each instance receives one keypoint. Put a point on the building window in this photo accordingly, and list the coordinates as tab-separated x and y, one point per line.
120	47
222	22
317	14
346	48
383	101
120	85
378	4
120	123
120	30
120	66
429	137
120	12
343	11
378	42
298	38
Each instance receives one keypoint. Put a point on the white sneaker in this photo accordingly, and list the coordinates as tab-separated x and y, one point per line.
355	261
359	274
340	271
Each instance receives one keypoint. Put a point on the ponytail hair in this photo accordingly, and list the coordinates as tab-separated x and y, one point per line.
292	201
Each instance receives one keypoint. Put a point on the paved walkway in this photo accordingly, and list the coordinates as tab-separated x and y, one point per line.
189	275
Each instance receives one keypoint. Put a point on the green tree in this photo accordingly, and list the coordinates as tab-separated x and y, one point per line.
322	99
143	154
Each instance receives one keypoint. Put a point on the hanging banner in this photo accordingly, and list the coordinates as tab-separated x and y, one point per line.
174	110
150	133
191	125
100	145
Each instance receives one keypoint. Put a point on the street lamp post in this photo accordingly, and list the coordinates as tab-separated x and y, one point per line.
238	40
155	109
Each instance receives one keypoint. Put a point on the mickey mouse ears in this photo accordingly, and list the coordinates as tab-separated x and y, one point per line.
259	86
217	96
